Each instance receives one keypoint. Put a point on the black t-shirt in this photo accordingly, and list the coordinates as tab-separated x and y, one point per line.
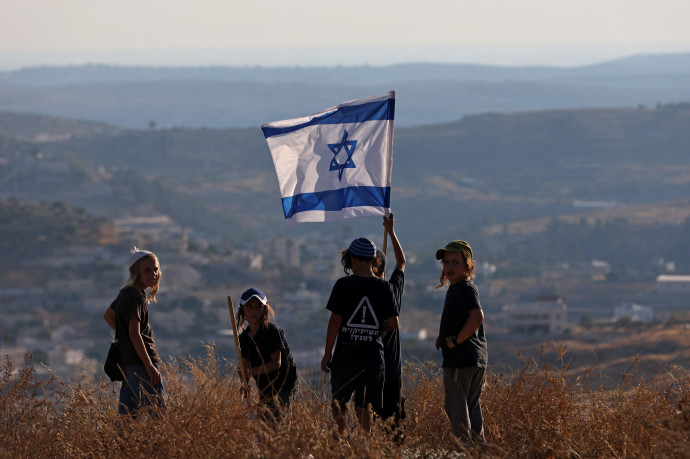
364	303
391	339
460	299
130	304
257	350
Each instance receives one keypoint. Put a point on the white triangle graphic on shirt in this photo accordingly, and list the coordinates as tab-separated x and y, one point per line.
364	316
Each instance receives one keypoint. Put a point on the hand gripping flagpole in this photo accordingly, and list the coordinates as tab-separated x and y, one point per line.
240	360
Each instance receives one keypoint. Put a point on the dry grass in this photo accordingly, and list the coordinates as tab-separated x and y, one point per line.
538	411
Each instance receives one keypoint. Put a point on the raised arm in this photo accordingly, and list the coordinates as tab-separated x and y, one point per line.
389	224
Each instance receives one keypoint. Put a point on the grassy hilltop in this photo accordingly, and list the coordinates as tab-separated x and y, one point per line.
517	161
538	411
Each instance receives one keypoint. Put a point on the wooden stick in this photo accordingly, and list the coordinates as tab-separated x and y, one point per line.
385	243
240	360
385	234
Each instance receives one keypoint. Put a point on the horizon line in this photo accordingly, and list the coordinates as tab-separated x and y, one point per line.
513	55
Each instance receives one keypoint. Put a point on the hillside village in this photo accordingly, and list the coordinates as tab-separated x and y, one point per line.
58	319
585	245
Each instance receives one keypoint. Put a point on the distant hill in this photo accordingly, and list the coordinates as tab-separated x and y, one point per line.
480	176
41	128
610	350
30	230
634	66
221	97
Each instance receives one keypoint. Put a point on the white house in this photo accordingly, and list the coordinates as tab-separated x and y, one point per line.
414	334
548	314
668	283
636	312
296	307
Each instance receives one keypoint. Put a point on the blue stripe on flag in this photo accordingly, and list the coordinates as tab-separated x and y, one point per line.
336	200
372	111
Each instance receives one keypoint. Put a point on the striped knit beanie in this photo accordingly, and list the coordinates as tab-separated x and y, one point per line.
363	248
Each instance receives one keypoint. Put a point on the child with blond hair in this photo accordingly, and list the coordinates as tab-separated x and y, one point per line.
128	315
462	342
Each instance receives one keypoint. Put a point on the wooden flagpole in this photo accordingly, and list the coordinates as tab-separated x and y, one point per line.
240	360
385	239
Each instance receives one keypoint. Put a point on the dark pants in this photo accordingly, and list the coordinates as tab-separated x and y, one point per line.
275	407
367	385
463	388
392	400
394	408
137	392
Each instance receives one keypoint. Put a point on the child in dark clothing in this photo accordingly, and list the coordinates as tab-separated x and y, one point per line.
463	344
361	307
266	354
393	402
128	315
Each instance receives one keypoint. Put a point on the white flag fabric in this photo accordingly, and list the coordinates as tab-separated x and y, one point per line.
335	164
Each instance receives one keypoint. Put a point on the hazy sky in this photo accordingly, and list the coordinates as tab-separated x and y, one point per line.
299	32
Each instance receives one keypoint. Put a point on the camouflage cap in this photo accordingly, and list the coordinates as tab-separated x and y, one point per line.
455	246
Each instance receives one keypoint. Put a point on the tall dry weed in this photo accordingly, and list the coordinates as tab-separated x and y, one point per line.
545	411
537	411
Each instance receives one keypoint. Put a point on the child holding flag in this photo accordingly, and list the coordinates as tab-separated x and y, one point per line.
393	402
361	306
462	342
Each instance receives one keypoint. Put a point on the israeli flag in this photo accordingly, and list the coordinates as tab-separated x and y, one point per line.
335	164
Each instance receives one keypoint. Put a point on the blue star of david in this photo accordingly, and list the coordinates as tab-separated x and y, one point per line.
349	146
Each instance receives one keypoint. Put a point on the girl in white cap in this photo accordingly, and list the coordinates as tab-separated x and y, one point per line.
128	315
266	355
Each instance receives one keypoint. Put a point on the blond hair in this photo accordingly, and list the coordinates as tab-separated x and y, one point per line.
133	280
469	268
